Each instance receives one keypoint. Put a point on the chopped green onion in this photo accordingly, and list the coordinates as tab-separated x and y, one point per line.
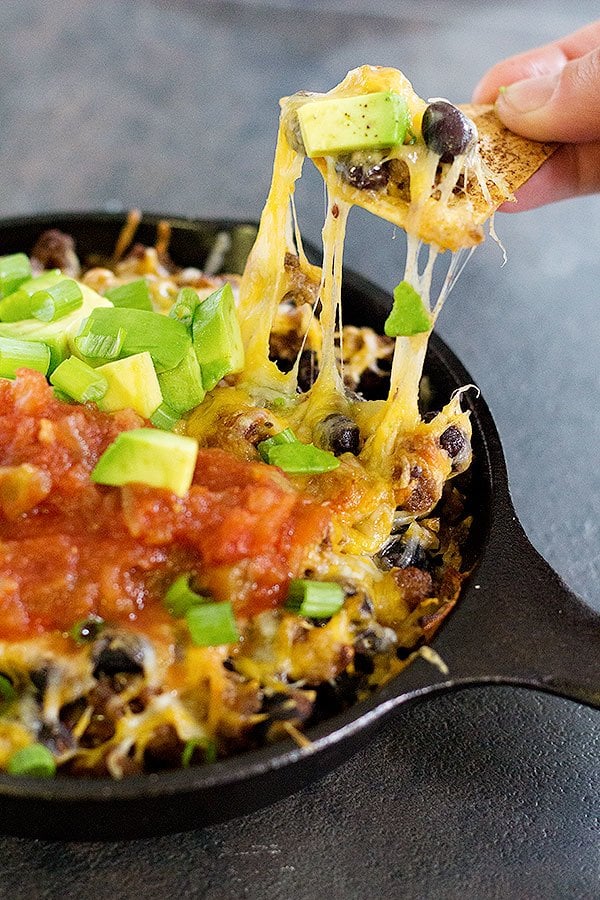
17	306
79	381
315	599
15	354
7	692
47	303
57	301
86	630
280	403
165	418
205	744
148	456
40	282
166	340
132	295
14	270
286	436
35	761
180	597
302	459
212	624
104	347
408	315
184	307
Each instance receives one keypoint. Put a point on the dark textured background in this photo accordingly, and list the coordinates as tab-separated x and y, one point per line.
172	106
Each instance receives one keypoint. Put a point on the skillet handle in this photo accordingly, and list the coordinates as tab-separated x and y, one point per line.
518	623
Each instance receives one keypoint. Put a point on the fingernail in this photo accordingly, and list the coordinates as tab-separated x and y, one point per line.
528	95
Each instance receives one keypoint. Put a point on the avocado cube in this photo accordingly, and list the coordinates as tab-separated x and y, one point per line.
216	337
132	384
149	456
182	387
343	124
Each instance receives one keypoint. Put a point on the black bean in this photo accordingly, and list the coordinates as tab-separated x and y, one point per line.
446	130
365	171
115	653
339	434
375	639
281	707
308	369
56	737
400	553
457	445
336	695
39	679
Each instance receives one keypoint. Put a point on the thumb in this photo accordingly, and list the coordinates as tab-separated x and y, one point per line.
562	106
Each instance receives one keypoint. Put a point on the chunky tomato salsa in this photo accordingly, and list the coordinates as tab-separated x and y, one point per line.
70	548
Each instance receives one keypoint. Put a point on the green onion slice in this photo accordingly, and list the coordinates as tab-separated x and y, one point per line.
14	270
315	599
302	459
79	381
408	315
16	307
132	295
15	354
180	597
34	760
7	692
56	301
165	418
42	298
184	307
212	624
208	747
103	347
86	630
286	436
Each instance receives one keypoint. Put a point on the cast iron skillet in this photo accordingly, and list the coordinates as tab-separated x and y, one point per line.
516	622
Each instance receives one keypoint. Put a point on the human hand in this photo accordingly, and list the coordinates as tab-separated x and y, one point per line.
552	93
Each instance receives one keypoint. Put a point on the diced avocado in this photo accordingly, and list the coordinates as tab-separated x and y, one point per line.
132	294
164	338
132	384
148	456
217	338
59	334
408	315
182	387
364	122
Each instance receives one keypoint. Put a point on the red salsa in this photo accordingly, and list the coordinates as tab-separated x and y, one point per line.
70	548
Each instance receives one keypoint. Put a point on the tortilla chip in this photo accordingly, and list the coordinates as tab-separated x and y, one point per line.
508	154
460	223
